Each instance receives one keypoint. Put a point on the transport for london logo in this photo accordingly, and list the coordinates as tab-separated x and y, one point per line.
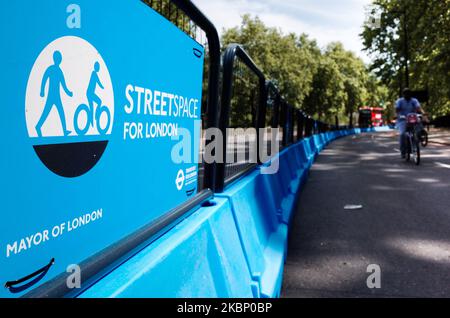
69	106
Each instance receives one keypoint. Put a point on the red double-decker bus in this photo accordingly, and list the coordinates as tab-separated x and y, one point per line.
370	117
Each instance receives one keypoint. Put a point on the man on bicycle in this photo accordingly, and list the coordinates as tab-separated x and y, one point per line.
92	97
403	107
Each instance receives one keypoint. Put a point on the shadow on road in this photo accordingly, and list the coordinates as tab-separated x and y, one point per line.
404	226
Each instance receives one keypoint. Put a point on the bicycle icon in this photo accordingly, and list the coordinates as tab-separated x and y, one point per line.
92	114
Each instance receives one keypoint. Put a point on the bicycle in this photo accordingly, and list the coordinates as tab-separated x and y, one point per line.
423	134
412	137
90	118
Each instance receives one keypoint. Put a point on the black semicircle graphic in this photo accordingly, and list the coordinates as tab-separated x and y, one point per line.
71	160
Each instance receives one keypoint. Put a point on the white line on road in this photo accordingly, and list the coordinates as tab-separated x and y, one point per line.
443	165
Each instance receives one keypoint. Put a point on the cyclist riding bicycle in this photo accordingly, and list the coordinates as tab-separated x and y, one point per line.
404	106
91	95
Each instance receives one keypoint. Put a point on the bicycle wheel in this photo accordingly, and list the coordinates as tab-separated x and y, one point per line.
417	152
424	138
81	131
408	147
100	111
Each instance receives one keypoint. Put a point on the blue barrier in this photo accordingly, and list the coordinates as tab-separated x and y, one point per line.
234	248
201	257
263	236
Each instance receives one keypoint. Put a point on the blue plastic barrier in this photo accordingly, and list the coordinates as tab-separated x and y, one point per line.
201	257
235	248
263	235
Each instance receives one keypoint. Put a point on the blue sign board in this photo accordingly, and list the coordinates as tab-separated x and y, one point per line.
96	96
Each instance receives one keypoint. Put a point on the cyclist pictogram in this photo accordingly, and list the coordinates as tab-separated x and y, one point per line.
93	114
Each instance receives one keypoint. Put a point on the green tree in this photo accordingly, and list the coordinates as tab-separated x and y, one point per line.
413	34
354	76
324	83
326	98
286	59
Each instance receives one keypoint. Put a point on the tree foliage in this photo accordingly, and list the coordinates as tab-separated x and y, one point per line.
325	82
417	31
281	57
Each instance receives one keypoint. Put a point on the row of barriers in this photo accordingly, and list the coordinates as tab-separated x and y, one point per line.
230	239
266	108
257	105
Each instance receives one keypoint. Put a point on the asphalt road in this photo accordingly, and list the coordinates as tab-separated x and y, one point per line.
404	225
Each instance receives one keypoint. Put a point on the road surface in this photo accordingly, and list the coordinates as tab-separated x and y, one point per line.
403	227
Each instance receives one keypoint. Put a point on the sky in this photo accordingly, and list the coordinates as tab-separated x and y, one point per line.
323	20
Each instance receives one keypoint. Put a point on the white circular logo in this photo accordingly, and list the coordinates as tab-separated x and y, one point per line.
69	91
180	180
69	106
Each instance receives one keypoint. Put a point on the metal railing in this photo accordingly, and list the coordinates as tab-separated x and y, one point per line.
269	109
248	99
239	111
189	19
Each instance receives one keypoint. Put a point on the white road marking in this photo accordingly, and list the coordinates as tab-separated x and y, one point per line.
443	165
